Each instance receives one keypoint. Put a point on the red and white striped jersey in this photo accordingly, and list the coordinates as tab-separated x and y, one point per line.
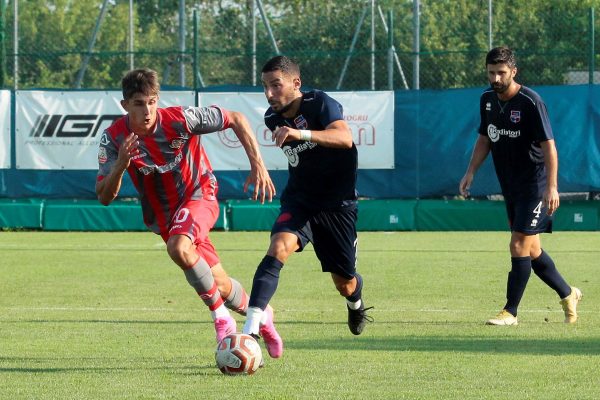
172	166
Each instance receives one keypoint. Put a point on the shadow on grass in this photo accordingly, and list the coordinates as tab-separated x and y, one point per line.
482	343
465	344
108	321
34	365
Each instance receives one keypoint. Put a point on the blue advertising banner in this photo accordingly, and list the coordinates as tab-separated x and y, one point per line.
434	134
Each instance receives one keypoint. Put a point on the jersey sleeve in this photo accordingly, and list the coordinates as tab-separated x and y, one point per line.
542	130
331	110
107	155
201	120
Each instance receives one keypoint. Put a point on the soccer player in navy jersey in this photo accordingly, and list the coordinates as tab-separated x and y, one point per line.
161	150
516	129
319	203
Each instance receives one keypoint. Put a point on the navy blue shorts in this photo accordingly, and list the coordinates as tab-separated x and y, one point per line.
528	216
332	233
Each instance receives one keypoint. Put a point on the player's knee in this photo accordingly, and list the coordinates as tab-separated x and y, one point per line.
518	244
280	250
516	247
223	282
180	252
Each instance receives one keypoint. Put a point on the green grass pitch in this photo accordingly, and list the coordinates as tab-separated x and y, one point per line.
109	316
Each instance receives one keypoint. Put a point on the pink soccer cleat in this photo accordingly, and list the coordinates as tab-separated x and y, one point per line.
224	327
269	334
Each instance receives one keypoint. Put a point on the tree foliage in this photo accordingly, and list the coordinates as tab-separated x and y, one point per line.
551	38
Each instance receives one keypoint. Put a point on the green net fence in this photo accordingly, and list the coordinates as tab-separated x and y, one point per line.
340	44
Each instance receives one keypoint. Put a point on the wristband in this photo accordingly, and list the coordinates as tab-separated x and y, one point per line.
305	135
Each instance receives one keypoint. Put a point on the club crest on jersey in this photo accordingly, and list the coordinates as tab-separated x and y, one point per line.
104	139
300	122
515	116
102	157
176	143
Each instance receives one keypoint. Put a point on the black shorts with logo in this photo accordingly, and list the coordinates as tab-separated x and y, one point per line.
528	215
332	233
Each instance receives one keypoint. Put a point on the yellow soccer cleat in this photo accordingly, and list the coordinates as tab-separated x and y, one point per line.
503	318
569	305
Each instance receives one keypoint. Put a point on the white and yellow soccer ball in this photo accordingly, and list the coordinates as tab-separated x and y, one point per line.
238	354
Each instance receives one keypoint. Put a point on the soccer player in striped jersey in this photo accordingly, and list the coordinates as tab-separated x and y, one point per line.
161	150
516	129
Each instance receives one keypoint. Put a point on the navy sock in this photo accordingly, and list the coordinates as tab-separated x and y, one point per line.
517	281
265	282
544	268
356	295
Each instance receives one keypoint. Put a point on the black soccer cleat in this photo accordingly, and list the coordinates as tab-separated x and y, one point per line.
358	318
255	336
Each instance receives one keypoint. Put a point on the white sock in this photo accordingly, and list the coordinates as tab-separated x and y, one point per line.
253	317
264	318
354	305
220	312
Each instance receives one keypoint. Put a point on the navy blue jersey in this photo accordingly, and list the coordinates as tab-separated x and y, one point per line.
516	128
320	177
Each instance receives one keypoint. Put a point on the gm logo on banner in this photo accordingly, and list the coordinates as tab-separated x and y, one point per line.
71	125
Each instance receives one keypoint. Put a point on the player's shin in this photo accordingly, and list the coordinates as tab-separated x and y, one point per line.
544	268
237	300
264	286
354	300
201	279
517	282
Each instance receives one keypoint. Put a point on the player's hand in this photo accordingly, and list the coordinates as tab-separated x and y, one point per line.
465	185
260	180
551	200
128	149
283	134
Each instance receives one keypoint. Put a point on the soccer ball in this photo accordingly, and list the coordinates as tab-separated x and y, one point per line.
238	354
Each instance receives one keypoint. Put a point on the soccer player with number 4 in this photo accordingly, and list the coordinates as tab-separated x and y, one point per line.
161	150
516	129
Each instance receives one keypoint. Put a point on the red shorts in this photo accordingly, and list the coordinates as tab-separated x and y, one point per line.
195	219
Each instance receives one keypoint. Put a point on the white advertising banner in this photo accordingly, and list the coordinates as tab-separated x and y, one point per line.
370	116
62	130
5	128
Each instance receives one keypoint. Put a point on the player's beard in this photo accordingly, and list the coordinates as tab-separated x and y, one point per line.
285	108
501	87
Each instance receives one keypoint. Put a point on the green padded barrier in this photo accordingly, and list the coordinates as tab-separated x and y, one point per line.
21	213
386	215
248	215
90	215
461	215
222	222
577	216
373	215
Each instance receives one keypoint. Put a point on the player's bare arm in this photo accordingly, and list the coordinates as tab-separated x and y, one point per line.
259	177
551	198
336	135
480	152
108	188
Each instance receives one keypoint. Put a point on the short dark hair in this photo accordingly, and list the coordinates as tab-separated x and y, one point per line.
501	55
142	80
283	64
